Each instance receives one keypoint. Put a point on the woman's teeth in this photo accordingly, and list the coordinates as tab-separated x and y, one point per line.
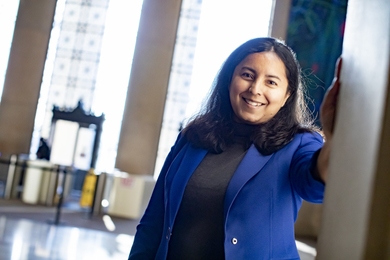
253	103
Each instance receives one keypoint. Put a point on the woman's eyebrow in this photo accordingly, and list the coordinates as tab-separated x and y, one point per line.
273	76
255	72
248	68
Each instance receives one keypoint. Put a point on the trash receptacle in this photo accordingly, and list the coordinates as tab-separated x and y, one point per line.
37	172
88	191
129	195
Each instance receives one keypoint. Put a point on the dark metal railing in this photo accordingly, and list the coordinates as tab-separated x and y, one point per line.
13	163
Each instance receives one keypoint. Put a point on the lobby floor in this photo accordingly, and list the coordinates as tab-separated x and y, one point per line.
22	239
26	234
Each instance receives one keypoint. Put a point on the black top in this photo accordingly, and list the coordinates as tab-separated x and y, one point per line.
198	231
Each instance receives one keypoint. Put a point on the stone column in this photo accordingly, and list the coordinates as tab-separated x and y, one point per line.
279	19
356	218
142	119
24	74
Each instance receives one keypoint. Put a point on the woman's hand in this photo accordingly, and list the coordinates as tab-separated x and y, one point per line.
329	104
327	117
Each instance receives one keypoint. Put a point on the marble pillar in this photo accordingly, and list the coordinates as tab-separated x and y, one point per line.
142	119
24	75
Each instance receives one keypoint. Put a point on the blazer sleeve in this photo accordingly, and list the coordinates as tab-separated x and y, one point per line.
301	176
149	230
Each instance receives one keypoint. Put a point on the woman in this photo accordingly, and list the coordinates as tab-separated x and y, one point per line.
233	183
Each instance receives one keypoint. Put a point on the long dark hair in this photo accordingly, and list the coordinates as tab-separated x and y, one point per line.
212	128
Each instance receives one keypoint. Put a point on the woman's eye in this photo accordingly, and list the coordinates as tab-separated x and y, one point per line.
272	82
247	75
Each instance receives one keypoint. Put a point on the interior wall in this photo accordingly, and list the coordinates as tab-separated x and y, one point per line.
360	134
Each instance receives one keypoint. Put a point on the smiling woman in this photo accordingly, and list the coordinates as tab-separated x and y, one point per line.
234	181
259	88
283	113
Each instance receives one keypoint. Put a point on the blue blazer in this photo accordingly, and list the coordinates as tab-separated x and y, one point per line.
261	202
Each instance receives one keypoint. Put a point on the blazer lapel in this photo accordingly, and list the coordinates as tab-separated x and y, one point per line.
190	161
250	165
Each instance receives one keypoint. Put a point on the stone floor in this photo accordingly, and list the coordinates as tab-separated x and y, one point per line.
26	234
22	239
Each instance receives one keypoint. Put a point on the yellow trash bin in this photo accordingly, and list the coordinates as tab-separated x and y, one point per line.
88	190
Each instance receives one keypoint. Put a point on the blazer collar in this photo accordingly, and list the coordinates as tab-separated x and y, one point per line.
250	165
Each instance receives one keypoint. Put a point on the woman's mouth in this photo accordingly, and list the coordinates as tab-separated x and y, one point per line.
253	103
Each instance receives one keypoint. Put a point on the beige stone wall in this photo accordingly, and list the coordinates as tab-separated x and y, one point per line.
359	168
279	19
140	132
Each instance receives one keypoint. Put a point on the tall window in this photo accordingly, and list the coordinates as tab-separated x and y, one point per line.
208	31
89	59
8	13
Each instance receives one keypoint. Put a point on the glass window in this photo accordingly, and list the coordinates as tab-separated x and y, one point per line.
89	59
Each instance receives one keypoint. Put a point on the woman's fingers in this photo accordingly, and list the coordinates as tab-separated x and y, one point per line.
338	67
328	107
333	90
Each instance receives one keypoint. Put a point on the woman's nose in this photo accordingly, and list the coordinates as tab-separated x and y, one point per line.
256	88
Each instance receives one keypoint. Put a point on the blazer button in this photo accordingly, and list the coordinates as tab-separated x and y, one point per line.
234	241
168	236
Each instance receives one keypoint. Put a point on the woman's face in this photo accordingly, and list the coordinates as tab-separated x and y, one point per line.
259	88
